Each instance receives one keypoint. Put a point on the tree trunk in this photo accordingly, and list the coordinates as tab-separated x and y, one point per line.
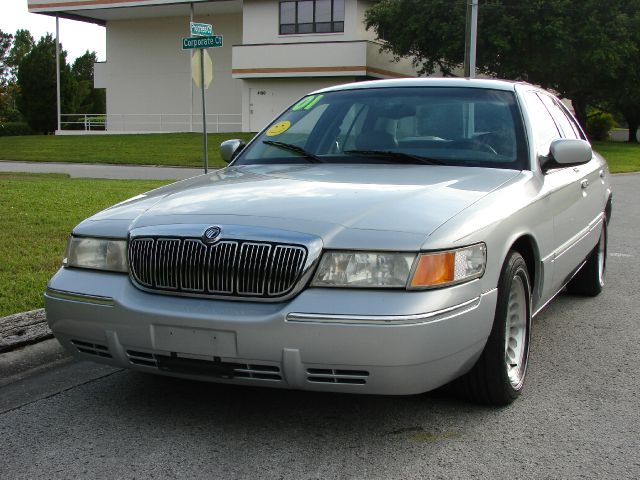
580	109
634	123
633	132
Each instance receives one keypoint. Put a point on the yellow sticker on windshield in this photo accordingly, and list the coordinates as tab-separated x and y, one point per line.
278	128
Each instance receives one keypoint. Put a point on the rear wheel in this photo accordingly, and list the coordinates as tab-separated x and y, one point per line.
589	281
498	376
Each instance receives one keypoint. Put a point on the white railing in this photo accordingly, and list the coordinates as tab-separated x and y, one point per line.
149	122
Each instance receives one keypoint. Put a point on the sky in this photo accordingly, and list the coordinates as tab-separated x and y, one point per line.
75	37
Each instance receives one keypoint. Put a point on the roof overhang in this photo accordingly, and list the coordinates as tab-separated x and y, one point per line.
102	11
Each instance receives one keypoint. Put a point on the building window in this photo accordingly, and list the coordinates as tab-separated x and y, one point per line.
311	16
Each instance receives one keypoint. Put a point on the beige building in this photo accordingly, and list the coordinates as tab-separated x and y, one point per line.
274	52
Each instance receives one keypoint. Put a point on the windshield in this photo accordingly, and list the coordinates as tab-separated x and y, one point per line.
422	125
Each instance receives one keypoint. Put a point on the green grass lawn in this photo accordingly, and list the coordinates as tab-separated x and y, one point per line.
37	214
185	149
177	149
622	157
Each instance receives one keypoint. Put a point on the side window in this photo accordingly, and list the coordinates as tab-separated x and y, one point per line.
574	123
559	116
544	128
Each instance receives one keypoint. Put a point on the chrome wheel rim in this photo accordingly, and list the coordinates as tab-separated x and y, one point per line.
602	255
516	333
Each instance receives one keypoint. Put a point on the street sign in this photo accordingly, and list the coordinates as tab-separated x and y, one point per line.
201	29
196	73
213	41
202	37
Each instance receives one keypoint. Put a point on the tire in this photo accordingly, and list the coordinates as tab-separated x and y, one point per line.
589	281
498	376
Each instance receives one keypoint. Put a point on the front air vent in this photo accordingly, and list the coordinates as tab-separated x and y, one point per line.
258	372
329	375
218	369
142	358
94	349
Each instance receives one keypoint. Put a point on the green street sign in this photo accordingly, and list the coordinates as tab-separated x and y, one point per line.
201	29
189	43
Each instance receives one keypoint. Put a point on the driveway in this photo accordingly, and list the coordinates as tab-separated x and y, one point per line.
578	416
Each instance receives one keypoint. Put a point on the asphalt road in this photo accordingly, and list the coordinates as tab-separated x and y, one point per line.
579	416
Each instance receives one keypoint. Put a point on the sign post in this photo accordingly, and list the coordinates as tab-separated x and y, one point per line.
202	38
204	114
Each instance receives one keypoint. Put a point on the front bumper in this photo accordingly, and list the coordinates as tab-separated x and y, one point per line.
357	341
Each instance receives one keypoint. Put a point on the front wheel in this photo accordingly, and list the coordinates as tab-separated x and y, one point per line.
498	376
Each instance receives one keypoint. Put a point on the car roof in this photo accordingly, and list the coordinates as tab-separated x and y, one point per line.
429	82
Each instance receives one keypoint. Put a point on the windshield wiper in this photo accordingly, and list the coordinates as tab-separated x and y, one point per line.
396	156
294	148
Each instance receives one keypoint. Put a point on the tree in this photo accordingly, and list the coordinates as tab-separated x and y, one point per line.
23	42
90	100
630	109
37	82
5	45
574	48
12	50
625	89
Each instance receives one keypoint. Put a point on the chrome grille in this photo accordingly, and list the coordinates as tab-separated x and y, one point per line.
222	262
284	271
141	260
194	254
253	262
227	268
166	274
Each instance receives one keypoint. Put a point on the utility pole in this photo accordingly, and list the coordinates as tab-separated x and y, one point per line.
471	39
59	108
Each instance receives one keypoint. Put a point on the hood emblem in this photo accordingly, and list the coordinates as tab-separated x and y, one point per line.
211	234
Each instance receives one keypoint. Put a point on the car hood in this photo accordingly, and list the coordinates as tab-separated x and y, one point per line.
403	204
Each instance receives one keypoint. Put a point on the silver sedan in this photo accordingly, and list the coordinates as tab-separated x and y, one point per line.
382	237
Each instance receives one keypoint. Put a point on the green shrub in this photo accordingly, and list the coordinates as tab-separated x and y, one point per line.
599	126
14	129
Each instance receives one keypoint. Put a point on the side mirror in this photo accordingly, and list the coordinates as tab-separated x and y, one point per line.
567	152
230	148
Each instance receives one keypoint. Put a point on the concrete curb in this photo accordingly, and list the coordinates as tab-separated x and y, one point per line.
23	329
30	360
27	347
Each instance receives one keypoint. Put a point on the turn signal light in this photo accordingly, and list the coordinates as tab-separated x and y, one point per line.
446	268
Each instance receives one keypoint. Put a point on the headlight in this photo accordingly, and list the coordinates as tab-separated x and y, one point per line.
400	270
364	270
439	269
97	254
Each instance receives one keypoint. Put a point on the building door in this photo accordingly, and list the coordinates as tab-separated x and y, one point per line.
261	108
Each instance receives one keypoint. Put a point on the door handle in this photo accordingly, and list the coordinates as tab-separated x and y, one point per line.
584	183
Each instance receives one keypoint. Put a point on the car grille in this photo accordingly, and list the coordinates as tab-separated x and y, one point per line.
190	366
227	268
